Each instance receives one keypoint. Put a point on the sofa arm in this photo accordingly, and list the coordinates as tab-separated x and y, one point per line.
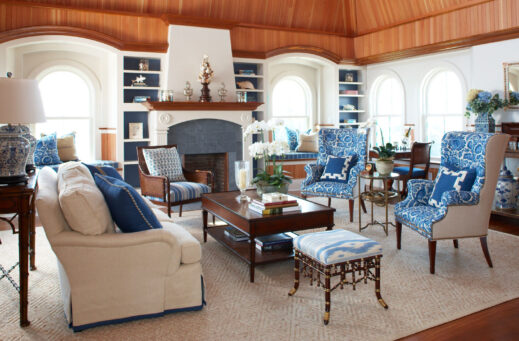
418	193
313	173
154	186
148	244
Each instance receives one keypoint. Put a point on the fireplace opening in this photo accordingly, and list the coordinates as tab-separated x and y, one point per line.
217	163
203	142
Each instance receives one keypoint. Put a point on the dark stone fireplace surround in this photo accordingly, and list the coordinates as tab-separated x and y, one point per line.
203	137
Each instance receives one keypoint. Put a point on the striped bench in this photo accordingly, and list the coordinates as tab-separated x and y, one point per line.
337	253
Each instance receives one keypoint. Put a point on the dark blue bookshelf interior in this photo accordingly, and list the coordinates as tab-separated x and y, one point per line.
132	63
152	79
254	81
245	67
130	150
343	73
136	117
131	175
131	94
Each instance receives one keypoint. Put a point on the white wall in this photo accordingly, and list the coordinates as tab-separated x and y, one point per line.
28	57
187	46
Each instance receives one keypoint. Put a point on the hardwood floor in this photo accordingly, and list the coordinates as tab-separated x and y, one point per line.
500	322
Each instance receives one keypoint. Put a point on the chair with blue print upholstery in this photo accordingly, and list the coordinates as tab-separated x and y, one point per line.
457	203
420	156
350	144
161	190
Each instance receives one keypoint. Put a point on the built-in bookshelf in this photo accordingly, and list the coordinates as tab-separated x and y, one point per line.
141	76
351	96
253	71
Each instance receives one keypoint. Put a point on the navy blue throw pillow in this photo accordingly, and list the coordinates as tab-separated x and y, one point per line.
129	211
103	170
448	180
337	169
46	152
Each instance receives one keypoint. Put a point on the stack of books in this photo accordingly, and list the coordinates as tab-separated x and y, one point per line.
279	241
267	206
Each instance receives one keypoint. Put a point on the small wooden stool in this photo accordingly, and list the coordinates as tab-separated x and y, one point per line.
337	253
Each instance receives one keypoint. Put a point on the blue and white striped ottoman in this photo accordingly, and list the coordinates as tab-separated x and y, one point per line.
337	253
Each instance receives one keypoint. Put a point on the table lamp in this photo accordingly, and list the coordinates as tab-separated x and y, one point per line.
20	104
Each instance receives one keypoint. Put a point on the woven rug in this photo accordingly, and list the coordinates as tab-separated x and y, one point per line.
239	310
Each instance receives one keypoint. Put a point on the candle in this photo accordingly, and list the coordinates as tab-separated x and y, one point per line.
243	179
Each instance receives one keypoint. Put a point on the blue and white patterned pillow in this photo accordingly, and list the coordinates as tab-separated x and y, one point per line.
338	168
449	180
46	152
292	138
164	162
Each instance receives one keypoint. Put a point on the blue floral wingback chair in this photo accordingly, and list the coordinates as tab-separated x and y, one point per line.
457	203
337	143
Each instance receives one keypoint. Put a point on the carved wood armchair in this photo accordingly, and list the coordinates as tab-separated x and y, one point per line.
163	192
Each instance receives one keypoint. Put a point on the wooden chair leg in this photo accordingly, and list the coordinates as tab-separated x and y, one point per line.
398	235
351	202
455	241
329	201
169	210
214	219
484	246
363	206
180	210
303	196
432	255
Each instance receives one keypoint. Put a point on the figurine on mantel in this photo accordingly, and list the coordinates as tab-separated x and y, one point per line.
222	92
205	76
188	91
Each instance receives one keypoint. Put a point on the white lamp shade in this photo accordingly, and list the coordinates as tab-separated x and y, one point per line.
20	101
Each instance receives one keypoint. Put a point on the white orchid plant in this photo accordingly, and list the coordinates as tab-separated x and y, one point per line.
269	151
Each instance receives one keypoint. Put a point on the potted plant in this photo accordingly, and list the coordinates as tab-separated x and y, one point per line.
386	153
483	105
272	178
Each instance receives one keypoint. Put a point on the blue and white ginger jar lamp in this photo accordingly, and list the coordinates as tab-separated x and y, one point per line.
507	190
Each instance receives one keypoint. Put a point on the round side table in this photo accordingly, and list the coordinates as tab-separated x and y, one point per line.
378	197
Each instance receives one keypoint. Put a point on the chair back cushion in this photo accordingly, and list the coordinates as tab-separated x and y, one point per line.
47	203
448	180
164	162
46	152
466	151
82	203
343	143
338	168
129	210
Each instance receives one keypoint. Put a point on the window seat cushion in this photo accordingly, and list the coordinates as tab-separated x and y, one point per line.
297	156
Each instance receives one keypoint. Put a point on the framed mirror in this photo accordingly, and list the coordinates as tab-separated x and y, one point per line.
511	80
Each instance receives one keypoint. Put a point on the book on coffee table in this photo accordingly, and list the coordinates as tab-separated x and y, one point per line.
278	241
235	234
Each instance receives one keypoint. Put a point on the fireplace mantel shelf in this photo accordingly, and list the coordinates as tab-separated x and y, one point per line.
198	106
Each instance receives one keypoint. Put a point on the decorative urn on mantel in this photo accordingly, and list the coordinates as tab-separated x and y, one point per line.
205	76
483	104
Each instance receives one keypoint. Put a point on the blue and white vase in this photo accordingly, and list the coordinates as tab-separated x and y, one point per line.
507	190
14	150
485	123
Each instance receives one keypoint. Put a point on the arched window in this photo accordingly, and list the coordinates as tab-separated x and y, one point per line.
443	107
291	101
388	108
68	102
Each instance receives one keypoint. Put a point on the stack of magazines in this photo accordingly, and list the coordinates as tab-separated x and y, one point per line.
279	241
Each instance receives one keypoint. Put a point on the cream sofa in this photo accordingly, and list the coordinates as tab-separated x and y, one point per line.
116	277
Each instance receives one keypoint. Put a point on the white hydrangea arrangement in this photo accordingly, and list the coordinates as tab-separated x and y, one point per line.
269	151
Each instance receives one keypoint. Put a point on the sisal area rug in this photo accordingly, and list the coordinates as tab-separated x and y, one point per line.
239	310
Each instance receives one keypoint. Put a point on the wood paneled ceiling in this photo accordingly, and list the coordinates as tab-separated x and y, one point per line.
341	30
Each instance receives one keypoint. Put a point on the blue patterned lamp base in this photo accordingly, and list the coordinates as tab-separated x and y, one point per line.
14	150
485	123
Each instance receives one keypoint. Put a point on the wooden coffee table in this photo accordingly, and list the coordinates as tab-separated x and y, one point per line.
227	208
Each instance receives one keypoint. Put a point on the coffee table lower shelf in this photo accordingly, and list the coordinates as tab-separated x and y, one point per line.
242	249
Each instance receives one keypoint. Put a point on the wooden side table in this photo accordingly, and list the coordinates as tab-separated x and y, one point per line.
19	199
380	198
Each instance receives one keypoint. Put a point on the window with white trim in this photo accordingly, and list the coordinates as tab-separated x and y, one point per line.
443	107
291	102
388	109
68	101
